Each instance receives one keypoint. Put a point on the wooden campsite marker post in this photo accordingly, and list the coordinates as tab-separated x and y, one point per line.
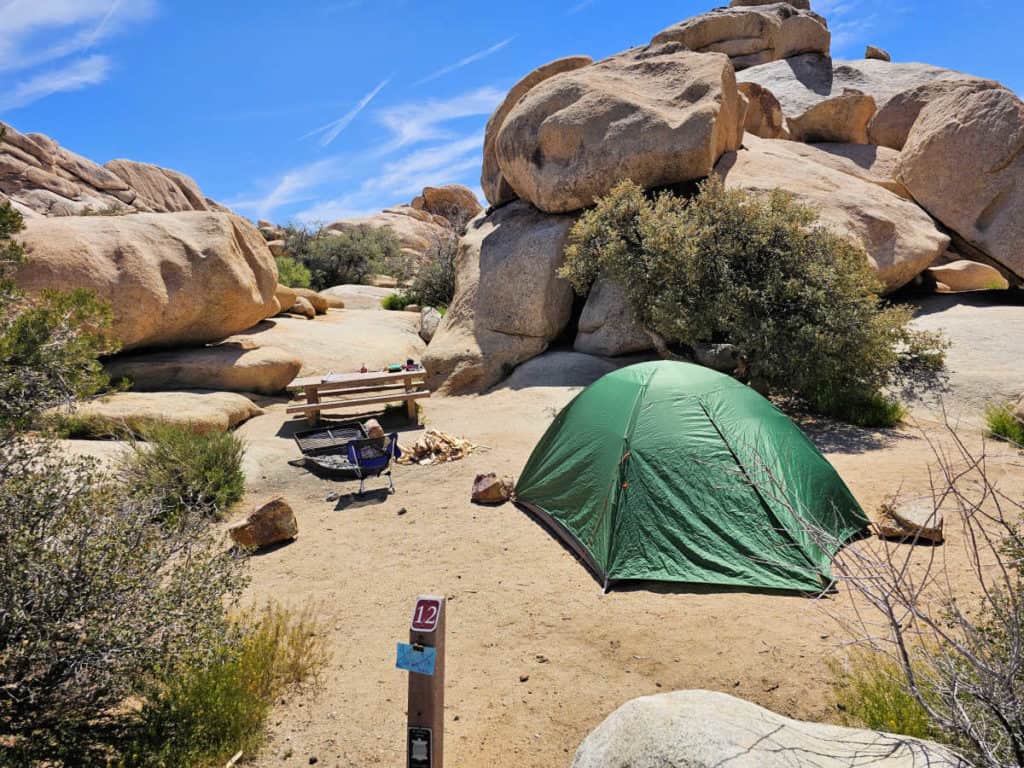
423	657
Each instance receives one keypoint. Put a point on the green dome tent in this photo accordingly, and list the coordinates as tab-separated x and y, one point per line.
672	472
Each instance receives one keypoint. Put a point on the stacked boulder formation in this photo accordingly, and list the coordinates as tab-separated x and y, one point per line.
179	271
919	164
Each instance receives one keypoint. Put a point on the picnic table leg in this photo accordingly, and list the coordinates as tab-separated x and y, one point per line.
410	404
312	397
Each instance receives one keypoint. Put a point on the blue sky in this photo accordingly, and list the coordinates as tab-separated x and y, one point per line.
320	109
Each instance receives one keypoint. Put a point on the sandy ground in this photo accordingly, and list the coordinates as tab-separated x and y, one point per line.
520	604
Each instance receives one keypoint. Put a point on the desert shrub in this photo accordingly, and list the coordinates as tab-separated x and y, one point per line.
292	273
186	470
397	301
758	271
434	284
335	258
958	646
49	344
1003	424
871	692
95	595
203	711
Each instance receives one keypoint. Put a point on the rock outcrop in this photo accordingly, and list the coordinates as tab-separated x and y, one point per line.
454	202
496	189
657	115
200	411
752	33
962	276
764	113
877	165
416	230
509	303
874	52
964	163
171	278
822	94
229	367
701	729
607	327
900	239
891	125
42	177
430	321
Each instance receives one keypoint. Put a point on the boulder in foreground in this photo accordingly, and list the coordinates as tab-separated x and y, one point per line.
271	524
230	367
171	278
963	275
490	489
703	729
201	411
658	115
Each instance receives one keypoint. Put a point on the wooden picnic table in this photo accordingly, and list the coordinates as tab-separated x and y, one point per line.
379	387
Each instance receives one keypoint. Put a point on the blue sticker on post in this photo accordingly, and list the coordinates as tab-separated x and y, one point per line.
419	660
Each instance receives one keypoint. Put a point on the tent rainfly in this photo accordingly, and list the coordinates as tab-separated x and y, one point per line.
667	471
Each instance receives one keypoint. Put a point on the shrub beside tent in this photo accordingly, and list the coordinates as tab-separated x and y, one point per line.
667	471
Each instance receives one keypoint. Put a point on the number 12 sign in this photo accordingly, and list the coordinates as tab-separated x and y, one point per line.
426	614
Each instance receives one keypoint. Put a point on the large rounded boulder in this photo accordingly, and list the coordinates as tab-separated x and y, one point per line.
171	278
964	163
900	239
705	729
509	301
658	115
496	189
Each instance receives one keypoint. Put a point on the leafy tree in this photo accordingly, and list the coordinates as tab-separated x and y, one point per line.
335	258
292	273
801	302
434	284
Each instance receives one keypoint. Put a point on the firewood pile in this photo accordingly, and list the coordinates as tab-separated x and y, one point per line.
436	447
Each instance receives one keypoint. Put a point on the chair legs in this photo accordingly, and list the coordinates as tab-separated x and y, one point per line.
391	483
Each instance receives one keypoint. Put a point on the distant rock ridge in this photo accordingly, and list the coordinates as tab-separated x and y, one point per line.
42	178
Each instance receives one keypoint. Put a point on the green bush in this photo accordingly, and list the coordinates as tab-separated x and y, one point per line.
186	470
396	302
335	258
434	284
202	712
1003	424
292	273
871	692
95	596
758	271
49	344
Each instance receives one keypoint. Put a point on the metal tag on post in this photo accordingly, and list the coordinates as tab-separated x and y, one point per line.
424	658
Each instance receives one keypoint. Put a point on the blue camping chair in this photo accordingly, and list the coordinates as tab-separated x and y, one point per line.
372	457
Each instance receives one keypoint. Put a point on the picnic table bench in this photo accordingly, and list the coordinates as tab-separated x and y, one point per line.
376	388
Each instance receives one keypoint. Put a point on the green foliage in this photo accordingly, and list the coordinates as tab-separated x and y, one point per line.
434	284
202	712
871	691
95	596
335	258
186	470
800	302
396	302
1003	424
292	273
49	344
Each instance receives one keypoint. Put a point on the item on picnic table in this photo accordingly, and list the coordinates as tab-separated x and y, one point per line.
436	447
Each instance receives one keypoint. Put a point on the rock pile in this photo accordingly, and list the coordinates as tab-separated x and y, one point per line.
919	164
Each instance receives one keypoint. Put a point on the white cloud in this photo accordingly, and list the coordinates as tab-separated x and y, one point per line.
581	6
425	145
332	130
295	186
77	24
425	120
75	76
471	59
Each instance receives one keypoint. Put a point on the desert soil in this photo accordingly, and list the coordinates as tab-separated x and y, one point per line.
520	606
